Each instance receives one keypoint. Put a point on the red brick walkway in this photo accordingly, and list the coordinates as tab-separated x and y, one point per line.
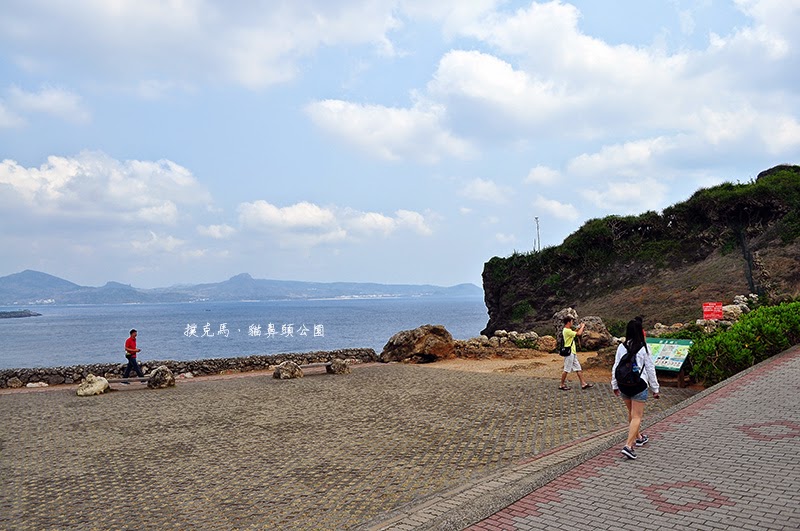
727	461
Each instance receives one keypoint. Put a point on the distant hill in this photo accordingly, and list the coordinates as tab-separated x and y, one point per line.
33	287
724	241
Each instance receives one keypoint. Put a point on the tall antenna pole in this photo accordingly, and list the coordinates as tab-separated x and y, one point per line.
538	240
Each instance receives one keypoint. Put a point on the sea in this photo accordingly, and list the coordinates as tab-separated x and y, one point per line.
67	335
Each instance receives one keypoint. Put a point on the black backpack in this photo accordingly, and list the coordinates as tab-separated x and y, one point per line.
562	349
629	375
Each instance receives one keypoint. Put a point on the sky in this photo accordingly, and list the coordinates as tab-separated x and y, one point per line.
169	142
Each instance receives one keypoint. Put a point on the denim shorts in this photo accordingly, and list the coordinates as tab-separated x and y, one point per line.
639	397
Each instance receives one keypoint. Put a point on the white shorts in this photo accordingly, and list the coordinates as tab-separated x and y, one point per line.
571	363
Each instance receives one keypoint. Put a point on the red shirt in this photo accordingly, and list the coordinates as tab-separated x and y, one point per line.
130	347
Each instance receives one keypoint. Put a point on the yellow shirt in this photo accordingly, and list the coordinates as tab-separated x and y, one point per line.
569	339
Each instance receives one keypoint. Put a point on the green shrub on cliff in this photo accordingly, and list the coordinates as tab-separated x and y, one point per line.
757	336
521	311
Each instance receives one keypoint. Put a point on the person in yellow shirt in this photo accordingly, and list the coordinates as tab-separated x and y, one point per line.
571	363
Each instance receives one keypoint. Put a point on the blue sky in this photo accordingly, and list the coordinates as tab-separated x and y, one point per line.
186	141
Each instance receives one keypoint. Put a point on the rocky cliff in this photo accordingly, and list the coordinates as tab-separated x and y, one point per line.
724	241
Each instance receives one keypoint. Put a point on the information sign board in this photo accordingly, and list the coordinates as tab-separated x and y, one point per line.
668	354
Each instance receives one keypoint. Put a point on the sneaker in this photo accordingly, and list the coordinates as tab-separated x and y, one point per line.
643	440
628	452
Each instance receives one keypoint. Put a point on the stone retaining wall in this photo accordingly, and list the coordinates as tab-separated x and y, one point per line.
204	367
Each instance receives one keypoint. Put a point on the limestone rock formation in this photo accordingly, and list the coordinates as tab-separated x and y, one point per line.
338	366
732	312
604	358
287	370
161	378
93	385
558	318
425	344
595	334
546	344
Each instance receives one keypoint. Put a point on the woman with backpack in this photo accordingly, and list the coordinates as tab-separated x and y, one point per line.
633	373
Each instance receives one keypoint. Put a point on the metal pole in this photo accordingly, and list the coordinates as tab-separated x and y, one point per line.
538	239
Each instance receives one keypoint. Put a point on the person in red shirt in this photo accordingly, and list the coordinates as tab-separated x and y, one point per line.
130	353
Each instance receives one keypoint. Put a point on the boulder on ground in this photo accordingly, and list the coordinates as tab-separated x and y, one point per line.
14	383
55	379
604	359
93	385
287	370
558	318
546	343
425	344
161	378
732	312
338	366
595	334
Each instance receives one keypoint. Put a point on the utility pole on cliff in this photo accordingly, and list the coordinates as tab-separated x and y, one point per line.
538	241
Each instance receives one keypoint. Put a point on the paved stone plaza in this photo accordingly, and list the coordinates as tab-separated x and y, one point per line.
321	452
726	459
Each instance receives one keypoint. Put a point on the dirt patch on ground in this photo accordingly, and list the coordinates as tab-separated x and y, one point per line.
538	364
525	362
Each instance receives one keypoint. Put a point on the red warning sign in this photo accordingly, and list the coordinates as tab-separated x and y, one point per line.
712	311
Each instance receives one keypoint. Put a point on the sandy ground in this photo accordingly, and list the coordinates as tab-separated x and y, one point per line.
535	363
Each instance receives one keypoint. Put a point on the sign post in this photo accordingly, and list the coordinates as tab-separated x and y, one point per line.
669	354
712	311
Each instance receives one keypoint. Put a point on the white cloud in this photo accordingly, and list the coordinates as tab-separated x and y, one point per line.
773	32
157	244
93	187
542	175
217	232
389	133
9	119
252	44
739	133
748	130
308	224
413	220
163	212
485	190
300	216
687	22
555	208
372	222
486	96
629	197
454	14
54	101
622	159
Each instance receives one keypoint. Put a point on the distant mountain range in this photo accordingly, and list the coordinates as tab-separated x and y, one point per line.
33	287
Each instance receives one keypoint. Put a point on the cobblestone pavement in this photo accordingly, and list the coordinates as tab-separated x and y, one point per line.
321	452
724	459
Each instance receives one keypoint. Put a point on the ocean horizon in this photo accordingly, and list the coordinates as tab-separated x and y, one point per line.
66	335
